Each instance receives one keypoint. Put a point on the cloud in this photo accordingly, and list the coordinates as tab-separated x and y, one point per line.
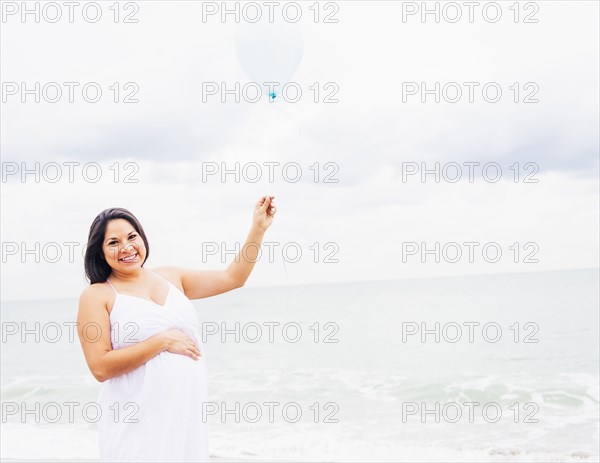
364	140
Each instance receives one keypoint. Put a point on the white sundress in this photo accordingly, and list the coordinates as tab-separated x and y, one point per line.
155	412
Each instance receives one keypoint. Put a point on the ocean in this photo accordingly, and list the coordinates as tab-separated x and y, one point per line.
482	368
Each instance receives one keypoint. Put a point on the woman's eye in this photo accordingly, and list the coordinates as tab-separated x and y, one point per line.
132	237
112	243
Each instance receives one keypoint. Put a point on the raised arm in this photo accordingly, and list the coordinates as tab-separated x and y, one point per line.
198	284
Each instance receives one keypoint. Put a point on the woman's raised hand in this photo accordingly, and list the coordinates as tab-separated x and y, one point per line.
264	211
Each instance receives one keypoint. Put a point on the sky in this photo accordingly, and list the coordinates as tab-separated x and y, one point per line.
368	214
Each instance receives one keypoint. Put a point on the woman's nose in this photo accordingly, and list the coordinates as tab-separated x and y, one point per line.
127	248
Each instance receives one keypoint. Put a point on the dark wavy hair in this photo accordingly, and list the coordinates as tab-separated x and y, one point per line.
97	269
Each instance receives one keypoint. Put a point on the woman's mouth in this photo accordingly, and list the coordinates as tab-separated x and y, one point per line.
130	258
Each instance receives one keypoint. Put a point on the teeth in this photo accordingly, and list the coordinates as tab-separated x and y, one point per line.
129	258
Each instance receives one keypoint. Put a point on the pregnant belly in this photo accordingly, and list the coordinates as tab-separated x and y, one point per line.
164	379
171	372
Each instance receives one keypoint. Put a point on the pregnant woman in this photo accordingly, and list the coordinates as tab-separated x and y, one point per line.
141	339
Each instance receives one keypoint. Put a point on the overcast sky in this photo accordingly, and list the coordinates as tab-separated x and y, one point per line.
371	136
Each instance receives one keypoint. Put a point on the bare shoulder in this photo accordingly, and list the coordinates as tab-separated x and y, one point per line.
92	291
171	273
94	295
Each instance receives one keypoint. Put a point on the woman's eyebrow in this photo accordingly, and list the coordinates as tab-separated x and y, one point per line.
114	237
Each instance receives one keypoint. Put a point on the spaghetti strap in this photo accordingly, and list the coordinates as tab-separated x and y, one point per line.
108	281
156	273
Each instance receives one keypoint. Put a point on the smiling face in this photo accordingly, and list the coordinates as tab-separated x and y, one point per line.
123	247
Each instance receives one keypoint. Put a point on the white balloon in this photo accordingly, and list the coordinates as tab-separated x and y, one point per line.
269	52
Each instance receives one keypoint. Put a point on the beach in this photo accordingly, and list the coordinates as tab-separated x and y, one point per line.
366	366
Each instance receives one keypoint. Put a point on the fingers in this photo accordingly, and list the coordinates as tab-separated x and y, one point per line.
193	354
194	350
262	201
190	349
265	201
270	207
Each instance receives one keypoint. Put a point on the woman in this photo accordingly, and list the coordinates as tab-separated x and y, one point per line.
140	336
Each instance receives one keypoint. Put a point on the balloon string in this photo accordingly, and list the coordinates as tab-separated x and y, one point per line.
289	117
282	363
286	312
